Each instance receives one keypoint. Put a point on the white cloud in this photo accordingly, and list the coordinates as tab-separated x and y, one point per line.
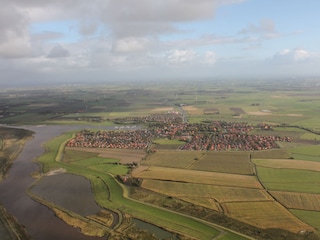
290	56
181	56
210	57
265	28
130	44
14	38
15	48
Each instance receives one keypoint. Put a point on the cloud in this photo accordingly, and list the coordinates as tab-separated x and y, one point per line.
58	52
265	28
150	18
88	28
14	38
210	57
290	56
181	56
122	20
130	44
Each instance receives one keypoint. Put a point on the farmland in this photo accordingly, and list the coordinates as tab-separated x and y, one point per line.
239	161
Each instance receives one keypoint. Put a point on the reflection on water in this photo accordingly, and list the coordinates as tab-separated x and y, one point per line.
75	196
158	232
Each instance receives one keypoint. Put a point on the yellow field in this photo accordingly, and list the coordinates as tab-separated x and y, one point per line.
288	163
303	201
162	109
193	190
192	110
209	203
200	177
173	158
265	215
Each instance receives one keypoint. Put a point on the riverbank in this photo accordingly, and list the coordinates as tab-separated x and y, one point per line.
12	142
10	228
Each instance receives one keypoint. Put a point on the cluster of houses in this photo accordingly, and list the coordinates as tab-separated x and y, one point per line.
232	141
124	139
215	136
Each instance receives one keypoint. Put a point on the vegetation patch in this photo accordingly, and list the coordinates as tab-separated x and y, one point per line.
270	154
194	190
123	156
237	111
173	158
289	180
288	164
265	215
311	152
10	229
302	201
193	110
199	177
228	162
165	143
84	226
12	141
310	217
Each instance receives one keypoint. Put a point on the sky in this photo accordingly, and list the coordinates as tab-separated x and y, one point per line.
69	41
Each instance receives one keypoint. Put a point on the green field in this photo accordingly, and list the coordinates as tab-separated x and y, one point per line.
228	162
310	153
310	217
172	158
289	180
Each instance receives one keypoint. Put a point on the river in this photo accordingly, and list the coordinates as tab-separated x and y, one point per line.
39	220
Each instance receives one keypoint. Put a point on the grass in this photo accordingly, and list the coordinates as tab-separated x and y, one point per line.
271	154
288	164
310	217
167	143
173	158
310	153
90	160
289	180
228	162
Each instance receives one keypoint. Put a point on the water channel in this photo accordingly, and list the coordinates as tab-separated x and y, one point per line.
40	221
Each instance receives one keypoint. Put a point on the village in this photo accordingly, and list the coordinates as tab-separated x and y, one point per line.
208	136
